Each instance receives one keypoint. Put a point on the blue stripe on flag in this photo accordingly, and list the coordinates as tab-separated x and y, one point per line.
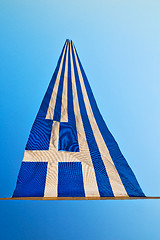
125	172
70	179
71	115
68	139
45	103
100	171
57	110
39	138
31	180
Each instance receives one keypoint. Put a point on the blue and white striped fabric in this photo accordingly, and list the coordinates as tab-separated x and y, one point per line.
70	151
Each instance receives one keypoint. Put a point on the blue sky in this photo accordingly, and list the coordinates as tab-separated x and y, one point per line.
118	44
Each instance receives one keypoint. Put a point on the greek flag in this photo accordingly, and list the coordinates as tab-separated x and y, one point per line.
70	152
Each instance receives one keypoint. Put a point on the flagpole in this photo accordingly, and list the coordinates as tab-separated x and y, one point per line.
79	198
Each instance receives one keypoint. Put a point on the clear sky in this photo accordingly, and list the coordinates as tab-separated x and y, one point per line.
119	46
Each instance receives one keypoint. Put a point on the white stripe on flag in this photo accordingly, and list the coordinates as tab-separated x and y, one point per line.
115	181
64	112
52	103
54	135
51	180
90	183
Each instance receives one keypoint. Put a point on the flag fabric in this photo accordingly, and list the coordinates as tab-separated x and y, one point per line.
70	151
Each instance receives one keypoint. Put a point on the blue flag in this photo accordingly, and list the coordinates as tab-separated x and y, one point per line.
70	151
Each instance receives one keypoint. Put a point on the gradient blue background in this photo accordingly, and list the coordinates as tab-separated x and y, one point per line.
119	45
